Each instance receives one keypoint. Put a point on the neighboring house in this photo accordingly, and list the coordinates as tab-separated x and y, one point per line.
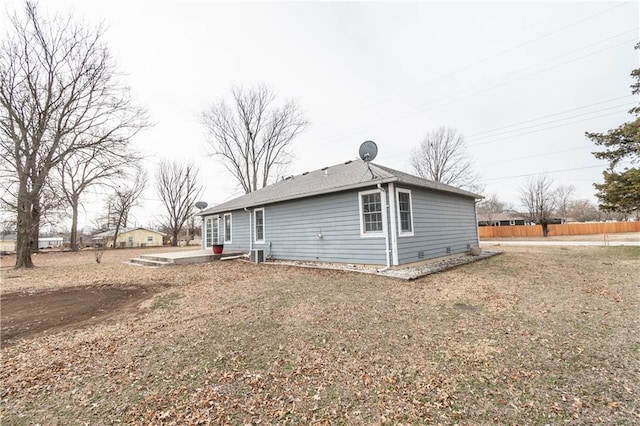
136	237
349	213
502	219
8	243
510	219
50	243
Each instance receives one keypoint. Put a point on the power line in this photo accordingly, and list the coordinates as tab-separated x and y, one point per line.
417	110
539	155
421	107
462	54
432	105
402	154
406	153
539	173
549	115
453	71
533	126
547	128
536	72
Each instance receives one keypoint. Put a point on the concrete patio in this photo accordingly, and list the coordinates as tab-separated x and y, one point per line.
181	258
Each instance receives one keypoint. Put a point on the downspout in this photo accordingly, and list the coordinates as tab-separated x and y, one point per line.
475	212
203	232
393	221
250	233
386	230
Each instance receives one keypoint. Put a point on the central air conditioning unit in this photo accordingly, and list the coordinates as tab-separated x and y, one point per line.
257	256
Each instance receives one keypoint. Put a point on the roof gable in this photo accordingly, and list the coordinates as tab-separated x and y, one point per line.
341	177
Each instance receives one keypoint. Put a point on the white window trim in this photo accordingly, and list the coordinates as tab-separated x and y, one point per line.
224	227
400	231
264	227
372	234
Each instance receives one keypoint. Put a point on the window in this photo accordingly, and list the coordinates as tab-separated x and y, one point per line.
258	215
150	238
208	242
227	228
404	212
214	231
371	213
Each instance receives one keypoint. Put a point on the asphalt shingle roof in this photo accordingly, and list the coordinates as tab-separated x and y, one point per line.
350	175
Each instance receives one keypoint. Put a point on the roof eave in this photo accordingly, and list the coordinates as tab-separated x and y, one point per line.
213	211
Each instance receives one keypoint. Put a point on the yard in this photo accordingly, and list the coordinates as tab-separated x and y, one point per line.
537	335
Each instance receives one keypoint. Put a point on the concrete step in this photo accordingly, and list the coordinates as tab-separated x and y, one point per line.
156	258
150	262
182	258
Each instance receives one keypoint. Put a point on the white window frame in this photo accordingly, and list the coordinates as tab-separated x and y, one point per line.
255	227
149	238
228	239
372	234
400	231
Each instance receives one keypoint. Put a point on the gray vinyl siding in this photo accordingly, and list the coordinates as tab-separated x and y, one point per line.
291	228
239	231
440	220
292	231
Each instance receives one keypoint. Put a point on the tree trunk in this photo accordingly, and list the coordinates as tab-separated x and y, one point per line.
115	237
174	235
24	242
74	224
545	229
35	225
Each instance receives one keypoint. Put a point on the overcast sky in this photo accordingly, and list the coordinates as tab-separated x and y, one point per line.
522	81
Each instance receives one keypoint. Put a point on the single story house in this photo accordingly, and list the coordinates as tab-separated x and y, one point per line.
50	243
8	243
503	219
130	237
354	212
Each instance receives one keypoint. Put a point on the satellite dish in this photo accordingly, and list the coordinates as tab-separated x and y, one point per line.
201	205
368	151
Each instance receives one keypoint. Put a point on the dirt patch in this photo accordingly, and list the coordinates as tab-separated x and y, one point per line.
25	314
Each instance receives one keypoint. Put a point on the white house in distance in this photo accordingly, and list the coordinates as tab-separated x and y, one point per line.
135	237
353	212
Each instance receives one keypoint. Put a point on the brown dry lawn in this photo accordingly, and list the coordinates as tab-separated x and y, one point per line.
537	335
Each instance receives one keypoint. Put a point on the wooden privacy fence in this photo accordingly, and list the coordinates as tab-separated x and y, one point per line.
554	230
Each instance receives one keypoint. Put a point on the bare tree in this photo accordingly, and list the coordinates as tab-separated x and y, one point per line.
490	207
538	198
90	167
442	157
253	137
126	197
564	194
584	211
179	190
59	93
